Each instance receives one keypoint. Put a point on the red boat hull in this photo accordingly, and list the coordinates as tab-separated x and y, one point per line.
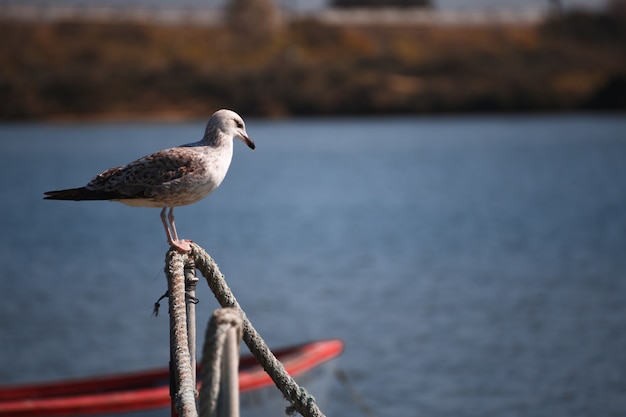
145	390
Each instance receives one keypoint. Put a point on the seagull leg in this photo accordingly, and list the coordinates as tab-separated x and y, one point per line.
166	226
170	217
172	236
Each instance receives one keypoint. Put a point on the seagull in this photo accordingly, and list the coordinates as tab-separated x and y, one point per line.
169	178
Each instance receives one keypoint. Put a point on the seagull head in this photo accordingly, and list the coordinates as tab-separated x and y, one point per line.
230	124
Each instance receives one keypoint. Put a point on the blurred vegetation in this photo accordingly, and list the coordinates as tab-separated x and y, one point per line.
126	70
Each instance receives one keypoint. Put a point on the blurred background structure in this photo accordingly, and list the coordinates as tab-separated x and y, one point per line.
76	59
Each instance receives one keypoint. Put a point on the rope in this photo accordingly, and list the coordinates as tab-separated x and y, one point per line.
224	322
357	398
301	401
184	398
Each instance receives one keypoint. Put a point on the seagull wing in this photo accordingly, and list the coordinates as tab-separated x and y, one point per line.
140	178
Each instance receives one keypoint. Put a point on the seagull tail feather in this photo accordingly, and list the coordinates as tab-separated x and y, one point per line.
81	193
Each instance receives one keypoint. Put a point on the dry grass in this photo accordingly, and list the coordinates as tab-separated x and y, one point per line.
78	70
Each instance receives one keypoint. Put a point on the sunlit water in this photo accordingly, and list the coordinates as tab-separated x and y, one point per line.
473	266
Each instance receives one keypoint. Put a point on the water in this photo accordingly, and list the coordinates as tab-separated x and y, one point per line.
473	266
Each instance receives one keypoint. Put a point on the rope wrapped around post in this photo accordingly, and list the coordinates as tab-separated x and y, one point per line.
184	397
219	393
301	401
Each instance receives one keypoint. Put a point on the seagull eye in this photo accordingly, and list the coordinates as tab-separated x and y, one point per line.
239	124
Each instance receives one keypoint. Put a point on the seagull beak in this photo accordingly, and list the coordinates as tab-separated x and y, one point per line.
247	141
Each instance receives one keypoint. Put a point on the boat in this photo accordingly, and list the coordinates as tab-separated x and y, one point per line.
311	364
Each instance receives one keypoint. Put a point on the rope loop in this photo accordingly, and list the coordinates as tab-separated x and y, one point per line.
301	401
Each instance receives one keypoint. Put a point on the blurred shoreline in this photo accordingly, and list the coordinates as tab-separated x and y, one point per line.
264	65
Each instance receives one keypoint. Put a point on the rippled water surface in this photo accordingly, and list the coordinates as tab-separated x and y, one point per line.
473	266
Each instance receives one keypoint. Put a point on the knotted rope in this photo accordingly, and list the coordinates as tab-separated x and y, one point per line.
301	401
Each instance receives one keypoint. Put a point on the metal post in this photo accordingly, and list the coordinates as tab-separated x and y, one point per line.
191	280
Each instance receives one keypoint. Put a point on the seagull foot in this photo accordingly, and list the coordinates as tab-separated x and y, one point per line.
181	245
